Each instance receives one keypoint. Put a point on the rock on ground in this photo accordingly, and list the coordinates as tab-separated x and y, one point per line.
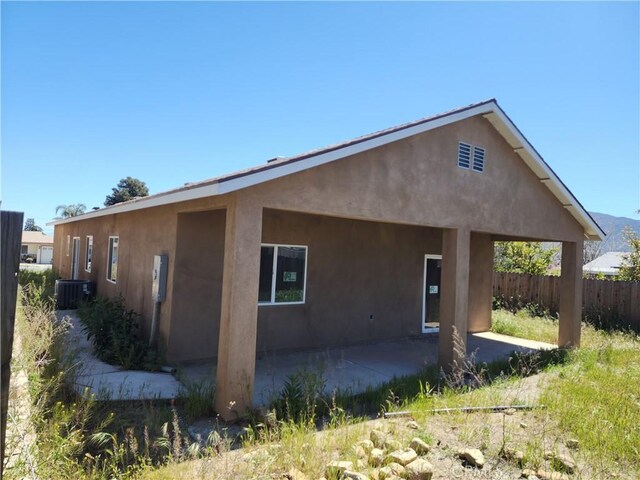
403	457
420	446
336	468
560	462
419	469
367	445
351	475
376	457
472	456
378	438
392	470
544	475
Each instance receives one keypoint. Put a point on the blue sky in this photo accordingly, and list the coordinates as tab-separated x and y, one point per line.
178	92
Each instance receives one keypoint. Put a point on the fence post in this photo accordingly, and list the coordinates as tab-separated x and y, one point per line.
10	241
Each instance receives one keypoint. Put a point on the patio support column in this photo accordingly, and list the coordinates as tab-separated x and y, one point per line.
480	282
570	294
454	300
239	309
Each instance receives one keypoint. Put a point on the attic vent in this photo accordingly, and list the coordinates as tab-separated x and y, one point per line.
464	155
478	159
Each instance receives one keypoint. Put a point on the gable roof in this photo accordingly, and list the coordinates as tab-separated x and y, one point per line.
280	167
36	237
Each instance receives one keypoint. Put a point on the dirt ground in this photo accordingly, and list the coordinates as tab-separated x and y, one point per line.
530	431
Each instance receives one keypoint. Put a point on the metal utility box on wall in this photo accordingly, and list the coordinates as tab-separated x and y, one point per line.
159	285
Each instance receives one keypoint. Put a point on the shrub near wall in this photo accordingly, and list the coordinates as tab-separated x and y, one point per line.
116	335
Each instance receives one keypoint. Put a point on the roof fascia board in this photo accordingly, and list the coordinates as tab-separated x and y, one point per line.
174	197
554	183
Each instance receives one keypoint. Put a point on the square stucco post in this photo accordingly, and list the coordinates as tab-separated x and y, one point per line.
239	310
454	301
480	282
570	295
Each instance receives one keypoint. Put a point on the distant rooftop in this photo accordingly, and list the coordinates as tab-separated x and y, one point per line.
607	264
36	237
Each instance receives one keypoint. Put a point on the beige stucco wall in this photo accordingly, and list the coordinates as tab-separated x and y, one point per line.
417	181
142	234
356	270
32	248
197	286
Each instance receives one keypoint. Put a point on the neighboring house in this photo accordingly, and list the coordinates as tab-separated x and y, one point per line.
36	248
381	237
608	264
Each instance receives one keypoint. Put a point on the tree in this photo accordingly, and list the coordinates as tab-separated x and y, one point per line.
73	210
591	250
30	226
523	257
127	189
630	269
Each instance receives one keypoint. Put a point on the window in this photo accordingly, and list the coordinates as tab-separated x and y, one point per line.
112	260
24	249
88	254
464	155
68	244
283	274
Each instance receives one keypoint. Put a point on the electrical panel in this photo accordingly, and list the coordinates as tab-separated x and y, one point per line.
159	282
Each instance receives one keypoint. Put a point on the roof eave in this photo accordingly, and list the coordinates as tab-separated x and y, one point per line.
488	109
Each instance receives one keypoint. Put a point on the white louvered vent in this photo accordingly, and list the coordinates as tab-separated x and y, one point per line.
464	155
478	159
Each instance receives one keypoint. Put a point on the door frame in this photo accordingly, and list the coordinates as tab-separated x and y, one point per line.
425	329
75	258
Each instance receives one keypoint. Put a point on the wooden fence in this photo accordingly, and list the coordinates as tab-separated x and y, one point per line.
10	238
619	302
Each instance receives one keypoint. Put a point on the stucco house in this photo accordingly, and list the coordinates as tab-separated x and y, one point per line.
382	237
36	247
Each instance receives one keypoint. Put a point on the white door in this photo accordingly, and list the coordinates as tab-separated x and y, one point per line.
46	254
76	258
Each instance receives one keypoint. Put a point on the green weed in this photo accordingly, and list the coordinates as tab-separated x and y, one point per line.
116	335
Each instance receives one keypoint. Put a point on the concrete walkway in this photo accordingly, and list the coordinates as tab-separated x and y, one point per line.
353	368
109	382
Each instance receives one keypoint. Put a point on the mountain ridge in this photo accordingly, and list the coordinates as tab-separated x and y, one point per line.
614	228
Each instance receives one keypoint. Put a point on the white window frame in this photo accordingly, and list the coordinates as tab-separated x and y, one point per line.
110	255
75	258
88	243
24	249
274	273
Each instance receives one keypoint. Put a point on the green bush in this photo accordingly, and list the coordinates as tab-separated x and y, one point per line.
116	335
37	287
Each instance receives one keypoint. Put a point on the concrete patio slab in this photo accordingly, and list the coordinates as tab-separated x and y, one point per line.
354	368
359	367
